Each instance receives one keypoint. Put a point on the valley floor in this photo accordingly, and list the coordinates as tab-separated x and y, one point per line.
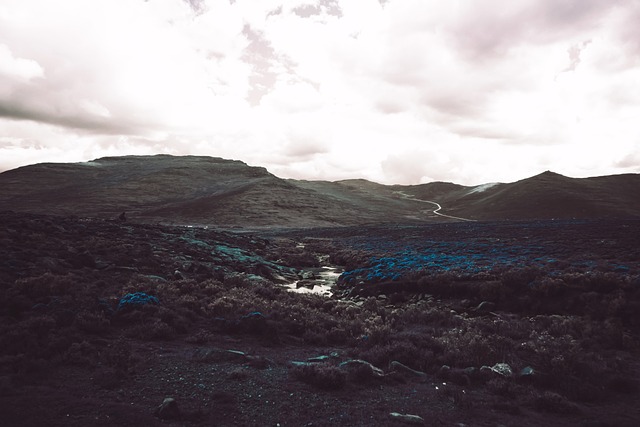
512	323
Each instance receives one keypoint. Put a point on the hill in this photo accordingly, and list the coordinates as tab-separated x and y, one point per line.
551	195
228	193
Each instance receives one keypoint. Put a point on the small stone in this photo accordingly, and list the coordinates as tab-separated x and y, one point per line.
502	369
471	371
316	359
362	369
527	374
307	275
209	355
299	364
399	367
407	418
485	307
308	284
168	410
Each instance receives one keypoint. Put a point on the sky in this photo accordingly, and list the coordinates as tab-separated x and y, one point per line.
394	91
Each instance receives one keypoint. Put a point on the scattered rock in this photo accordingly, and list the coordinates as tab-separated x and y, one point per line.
404	369
317	359
407	418
527	373
485	307
499	368
305	284
253	323
168	410
307	275
296	363
361	369
209	355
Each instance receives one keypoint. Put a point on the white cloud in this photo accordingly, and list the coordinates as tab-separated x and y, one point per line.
397	91
20	69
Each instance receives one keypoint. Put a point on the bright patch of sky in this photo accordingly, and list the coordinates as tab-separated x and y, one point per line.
395	91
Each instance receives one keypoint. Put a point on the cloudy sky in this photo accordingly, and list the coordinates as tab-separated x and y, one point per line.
396	91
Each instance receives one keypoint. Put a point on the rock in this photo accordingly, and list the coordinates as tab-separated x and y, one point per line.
485	307
526	373
361	369
324	357
307	275
253	323
305	284
499	368
399	367
296	363
168	410
407	418
209	355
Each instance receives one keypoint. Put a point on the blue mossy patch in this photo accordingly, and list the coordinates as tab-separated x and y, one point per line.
136	299
439	257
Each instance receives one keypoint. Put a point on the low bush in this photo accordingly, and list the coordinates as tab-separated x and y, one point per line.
321	375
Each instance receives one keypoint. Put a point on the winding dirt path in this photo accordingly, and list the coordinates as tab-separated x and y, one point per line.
435	211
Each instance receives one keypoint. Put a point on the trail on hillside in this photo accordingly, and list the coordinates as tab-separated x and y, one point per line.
435	211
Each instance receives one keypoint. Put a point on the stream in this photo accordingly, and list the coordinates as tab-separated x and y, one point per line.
321	281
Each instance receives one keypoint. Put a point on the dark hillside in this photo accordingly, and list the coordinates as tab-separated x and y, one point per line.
213	191
551	195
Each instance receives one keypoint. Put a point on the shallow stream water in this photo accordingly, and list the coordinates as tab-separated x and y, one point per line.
323	281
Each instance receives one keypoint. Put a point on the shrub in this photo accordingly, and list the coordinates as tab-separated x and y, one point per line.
555	403
321	375
93	323
135	300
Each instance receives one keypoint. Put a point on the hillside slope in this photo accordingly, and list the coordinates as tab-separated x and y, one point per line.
191	190
551	195
213	191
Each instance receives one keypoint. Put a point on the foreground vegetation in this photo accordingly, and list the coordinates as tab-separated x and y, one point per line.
516	341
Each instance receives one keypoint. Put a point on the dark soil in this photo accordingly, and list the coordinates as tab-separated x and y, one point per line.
104	320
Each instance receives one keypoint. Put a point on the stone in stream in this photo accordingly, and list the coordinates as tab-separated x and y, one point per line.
307	275
305	284
407	418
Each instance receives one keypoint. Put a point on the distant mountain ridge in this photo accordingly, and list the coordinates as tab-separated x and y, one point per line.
207	190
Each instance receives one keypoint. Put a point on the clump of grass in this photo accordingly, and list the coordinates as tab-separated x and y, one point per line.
321	375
